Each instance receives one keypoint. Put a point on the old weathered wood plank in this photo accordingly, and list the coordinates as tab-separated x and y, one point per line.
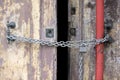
76	22
112	60
92	32
24	61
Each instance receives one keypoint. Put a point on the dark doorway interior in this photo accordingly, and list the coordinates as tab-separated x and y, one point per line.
62	53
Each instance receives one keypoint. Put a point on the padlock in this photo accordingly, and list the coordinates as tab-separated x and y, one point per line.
83	49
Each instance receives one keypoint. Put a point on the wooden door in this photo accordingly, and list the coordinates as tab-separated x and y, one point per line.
82	17
24	61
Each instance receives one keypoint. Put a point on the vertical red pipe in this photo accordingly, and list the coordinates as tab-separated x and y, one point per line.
99	35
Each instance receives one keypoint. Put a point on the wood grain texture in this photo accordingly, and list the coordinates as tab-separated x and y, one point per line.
24	61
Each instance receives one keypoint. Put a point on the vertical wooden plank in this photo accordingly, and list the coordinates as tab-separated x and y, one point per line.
48	54
75	21
82	21
87	35
92	32
24	61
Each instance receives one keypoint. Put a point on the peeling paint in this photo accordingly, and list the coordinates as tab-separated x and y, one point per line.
22	60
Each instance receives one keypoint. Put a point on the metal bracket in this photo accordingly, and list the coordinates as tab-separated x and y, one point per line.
73	10
73	31
50	33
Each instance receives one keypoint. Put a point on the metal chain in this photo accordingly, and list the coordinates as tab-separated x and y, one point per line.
76	44
80	66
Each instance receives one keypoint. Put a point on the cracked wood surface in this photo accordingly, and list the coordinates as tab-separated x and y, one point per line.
24	61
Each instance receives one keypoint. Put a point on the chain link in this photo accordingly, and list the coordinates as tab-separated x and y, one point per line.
70	44
80	66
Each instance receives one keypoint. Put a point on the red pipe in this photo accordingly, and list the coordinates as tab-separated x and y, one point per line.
99	35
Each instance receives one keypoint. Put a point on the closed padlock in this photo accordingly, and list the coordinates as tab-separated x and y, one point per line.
83	49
